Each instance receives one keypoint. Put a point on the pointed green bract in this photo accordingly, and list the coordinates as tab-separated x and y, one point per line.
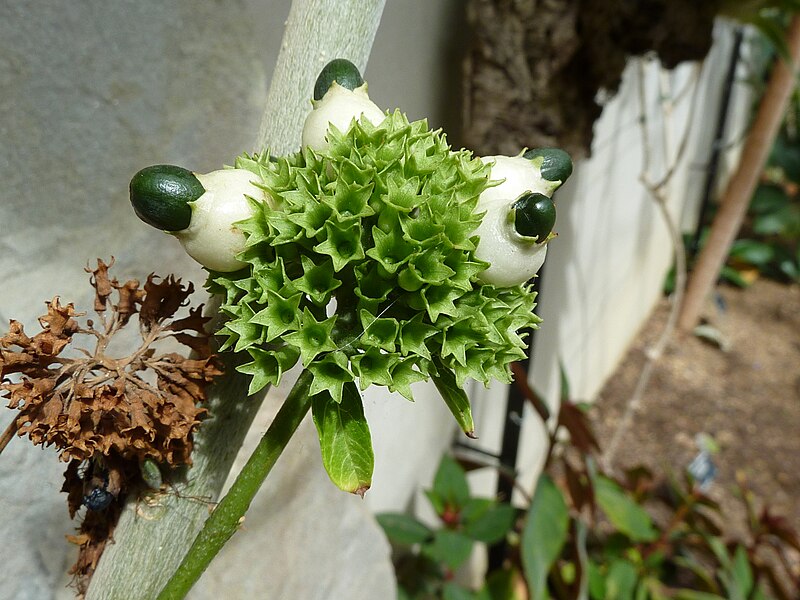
456	400
382	223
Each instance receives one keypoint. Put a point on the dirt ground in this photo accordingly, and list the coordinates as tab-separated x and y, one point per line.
747	398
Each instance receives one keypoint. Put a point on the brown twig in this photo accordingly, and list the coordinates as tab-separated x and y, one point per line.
659	193
736	199
8	434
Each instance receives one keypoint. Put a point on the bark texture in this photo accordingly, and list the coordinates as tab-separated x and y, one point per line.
533	69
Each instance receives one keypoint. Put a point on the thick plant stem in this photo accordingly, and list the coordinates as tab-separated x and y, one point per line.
229	513
736	198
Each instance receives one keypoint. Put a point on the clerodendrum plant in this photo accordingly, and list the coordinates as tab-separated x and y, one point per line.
376	255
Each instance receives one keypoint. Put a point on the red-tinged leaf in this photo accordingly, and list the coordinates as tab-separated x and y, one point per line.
779	527
579	486
521	381
574	420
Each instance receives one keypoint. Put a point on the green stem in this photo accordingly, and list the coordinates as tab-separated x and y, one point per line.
227	516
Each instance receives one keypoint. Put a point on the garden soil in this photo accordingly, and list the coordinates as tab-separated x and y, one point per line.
746	397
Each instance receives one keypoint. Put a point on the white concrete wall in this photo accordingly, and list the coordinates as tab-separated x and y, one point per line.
606	269
92	91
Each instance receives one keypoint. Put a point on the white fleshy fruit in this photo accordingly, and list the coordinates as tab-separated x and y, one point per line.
338	107
513	258
212	239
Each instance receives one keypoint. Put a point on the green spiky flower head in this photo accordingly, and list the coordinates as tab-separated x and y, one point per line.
365	270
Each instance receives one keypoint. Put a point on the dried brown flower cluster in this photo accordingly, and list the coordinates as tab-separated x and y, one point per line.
107	414
144	405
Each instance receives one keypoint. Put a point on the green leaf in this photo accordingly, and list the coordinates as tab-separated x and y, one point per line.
732	276
695	595
742	575
768	198
453	591
752	252
502	585
786	155
627	516
344	439
450	483
775	33
621	581
455	398
783	222
544	535
486	521
403	529
597	582
449	547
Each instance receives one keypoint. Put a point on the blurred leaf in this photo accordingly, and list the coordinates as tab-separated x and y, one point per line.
627	516
578	485
450	484
695	595
790	269
698	570
521	382
597	582
779	527
669	282
502	585
344	439
544	535
437	503
652	589
769	198
775	33
719	550
639	480
742	581
402	594
783	222
752	252
621	581
487	521
576	422
449	547
786	155
403	529
565	392
699	521
733	276
453	591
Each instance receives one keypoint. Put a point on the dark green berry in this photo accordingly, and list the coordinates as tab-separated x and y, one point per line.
556	164
160	196
340	70
534	216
